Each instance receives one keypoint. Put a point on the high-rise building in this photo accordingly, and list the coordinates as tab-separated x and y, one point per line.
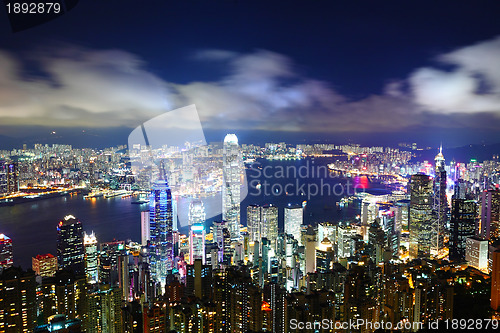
70	251
262	222
489	223
253	223
440	203
44	265
6	258
231	184
196	212
269	223
145	230
495	281
460	190
197	243
91	258
325	256
4	188
17	300
161	229
476	253
344	242
62	294
462	226
104	308
421	220
12	177
294	217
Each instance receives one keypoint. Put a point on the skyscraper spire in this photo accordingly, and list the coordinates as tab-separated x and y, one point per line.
439	159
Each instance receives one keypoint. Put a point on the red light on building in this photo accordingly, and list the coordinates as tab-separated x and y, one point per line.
266	306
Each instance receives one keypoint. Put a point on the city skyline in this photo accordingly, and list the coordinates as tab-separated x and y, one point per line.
249	166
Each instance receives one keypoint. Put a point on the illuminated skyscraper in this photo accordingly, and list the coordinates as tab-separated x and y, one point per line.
70	250
197	243
44	264
489	227
231	189
145	227
262	222
324	256
12	177
440	203
462	226
420	224
253	223
196	212
270	223
294	216
161	229
91	258
6	259
476	253
3	178
17	300
104	310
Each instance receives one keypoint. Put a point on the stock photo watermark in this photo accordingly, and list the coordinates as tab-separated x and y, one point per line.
307	180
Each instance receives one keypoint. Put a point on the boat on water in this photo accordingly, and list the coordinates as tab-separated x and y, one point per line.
93	195
7	202
117	193
141	200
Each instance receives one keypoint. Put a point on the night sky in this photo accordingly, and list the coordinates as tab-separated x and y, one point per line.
375	72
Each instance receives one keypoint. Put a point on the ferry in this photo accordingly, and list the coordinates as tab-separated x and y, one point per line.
93	194
143	198
112	194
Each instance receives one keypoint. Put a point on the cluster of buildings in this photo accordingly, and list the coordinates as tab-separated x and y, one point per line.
407	258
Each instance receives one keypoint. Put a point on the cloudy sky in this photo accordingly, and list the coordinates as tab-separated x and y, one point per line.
367	69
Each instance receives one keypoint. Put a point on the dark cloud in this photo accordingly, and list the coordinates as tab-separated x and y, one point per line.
262	90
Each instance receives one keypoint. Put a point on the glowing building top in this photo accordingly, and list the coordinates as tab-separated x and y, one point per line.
231	138
439	159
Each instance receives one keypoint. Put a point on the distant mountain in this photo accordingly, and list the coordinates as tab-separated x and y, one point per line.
77	137
462	154
15	137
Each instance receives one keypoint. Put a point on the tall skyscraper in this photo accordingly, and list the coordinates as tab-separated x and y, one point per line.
91	258
17	300
262	222
12	177
489	226
161	229
3	178
253	223
197	243
462	226
231	185
70	250
440	203
196	212
145	230
421	205
294	216
6	258
270	222
104	307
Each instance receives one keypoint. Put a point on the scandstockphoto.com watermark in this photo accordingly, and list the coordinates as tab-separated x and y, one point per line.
404	325
358	324
307	180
